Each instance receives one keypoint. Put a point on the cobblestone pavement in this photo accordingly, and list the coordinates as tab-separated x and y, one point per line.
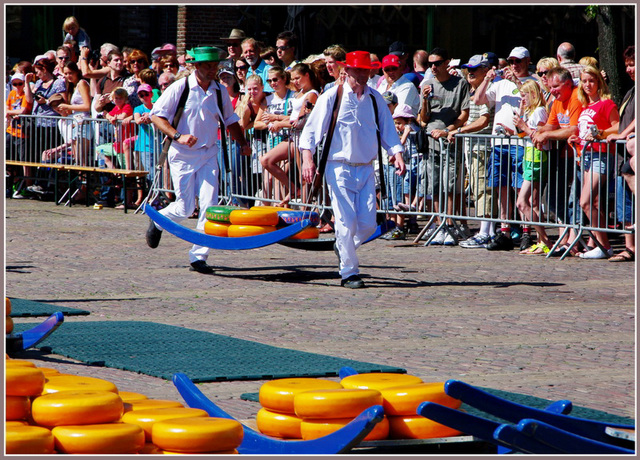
544	327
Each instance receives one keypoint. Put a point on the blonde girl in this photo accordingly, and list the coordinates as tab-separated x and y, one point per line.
533	115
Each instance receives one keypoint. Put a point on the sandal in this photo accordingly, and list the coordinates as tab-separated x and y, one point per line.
625	256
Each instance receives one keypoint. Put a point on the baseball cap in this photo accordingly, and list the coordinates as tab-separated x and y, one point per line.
491	59
397	48
168	48
475	61
17	76
403	111
145	87
39	58
390	60
519	52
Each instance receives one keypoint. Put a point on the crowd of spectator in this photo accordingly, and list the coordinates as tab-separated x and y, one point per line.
561	107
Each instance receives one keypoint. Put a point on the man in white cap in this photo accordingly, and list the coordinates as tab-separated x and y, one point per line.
349	170
505	94
193	155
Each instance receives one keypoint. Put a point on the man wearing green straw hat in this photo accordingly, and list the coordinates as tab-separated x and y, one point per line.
193	155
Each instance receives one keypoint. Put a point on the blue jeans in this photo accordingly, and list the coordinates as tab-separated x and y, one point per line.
505	160
624	202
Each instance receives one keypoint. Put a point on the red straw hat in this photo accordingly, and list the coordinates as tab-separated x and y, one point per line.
360	60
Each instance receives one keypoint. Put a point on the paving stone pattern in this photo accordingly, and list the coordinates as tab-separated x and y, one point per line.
544	327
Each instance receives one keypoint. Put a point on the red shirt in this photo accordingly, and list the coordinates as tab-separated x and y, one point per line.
597	113
125	130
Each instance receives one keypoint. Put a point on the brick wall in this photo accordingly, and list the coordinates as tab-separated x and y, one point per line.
204	25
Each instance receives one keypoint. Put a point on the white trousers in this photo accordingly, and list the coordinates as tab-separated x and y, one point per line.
353	197
194	173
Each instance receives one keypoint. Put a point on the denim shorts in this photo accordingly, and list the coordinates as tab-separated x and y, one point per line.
597	162
506	160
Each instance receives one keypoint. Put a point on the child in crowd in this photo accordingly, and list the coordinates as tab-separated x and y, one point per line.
535	164
148	141
120	116
72	32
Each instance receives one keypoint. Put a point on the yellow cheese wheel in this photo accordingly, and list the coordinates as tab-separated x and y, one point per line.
57	383
9	423
238	231
130	396
255	217
24	381
8	324
308	233
417	427
48	371
19	363
278	425
17	407
277	395
74	407
197	434
151	404
347	402
405	399
379	380
28	440
216	228
104	438
7	306
146	418
317	428
150	448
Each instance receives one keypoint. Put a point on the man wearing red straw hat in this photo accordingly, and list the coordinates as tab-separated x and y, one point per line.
354	146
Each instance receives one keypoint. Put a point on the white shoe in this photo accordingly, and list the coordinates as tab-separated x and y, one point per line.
439	238
477	241
597	253
35	189
448	239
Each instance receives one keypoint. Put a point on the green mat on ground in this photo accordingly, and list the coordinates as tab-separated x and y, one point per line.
526	400
160	350
24	308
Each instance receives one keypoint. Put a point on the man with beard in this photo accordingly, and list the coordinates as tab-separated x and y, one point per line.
251	53
193	155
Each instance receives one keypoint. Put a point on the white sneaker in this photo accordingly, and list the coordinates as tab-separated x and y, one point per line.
477	241
448	239
597	253
439	238
35	189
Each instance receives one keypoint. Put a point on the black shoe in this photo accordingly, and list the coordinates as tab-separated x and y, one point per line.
525	241
500	242
153	235
201	266
353	282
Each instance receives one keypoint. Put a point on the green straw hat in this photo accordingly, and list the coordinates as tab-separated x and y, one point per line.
205	54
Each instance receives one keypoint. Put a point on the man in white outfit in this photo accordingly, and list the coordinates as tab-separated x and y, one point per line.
349	170
193	155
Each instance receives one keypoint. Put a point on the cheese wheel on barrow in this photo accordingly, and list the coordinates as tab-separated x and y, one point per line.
266	217
77	408
150	404
317	428
28	440
145	419
340	403
289	216
17	407
277	395
278	424
405	399
19	363
417	427
308	233
379	380
105	438
238	231
197	434
220	213
65	382
216	228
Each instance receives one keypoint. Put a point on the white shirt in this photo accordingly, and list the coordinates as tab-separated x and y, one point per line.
201	113
404	90
354	139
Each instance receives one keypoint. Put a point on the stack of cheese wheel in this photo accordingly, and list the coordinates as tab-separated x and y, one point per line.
22	383
8	319
197	435
277	417
248	222
287	216
325	411
217	223
402	394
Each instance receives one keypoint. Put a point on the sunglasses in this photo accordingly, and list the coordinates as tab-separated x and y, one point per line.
273	80
136	61
514	61
63	58
18	83
436	63
542	73
242	67
390	69
143	94
282	48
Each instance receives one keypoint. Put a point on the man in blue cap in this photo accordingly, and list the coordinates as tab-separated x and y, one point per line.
193	155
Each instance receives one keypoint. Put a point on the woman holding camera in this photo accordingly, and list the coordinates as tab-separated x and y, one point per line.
306	82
